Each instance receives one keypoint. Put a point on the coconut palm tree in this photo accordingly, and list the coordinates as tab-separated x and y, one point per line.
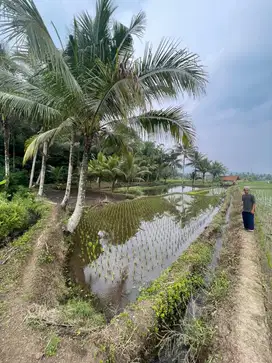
6	62
185	150
195	159
113	169
204	167
97	167
217	169
131	170
79	90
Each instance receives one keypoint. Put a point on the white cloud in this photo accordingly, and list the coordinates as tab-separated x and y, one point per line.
233	40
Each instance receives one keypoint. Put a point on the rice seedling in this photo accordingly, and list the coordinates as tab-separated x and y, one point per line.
143	236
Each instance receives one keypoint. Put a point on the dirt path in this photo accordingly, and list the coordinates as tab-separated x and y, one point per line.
243	327
19	342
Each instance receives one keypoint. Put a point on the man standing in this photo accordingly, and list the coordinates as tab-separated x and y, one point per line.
249	205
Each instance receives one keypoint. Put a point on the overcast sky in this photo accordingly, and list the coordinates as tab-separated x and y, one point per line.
233	40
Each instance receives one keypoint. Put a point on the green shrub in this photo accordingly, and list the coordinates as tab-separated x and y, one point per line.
16	215
52	346
78	312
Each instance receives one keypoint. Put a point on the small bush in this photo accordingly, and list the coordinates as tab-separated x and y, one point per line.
52	346
17	180
82	313
15	215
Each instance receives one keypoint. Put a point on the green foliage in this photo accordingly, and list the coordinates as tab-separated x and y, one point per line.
17	181
51	348
186	342
175	299
219	288
81	314
46	257
171	299
198	192
217	169
57	173
16	215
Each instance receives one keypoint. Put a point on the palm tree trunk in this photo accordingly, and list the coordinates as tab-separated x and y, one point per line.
6	148
70	173
13	154
43	168
128	185
33	169
38	180
183	169
75	217
113	184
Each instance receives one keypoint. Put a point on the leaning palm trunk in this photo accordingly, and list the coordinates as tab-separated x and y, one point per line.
33	170
70	174
43	168
38	180
6	147
75	217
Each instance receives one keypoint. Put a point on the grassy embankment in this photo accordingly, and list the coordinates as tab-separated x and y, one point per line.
204	335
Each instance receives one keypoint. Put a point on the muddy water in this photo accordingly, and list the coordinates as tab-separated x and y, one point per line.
123	247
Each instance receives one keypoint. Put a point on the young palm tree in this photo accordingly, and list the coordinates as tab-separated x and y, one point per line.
113	169
132	171
97	167
80	90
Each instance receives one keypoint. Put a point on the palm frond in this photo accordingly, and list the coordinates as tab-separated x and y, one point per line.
172	120
22	24
122	35
14	83
171	69
110	95
104	11
47	136
12	104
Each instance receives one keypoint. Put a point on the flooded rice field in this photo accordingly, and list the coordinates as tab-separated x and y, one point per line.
122	247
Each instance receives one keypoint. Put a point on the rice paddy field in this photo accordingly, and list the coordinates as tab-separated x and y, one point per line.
123	247
263	195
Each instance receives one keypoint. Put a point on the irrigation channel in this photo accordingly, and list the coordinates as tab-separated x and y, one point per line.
123	247
196	304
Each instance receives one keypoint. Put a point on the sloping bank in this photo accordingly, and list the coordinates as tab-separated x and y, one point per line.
131	336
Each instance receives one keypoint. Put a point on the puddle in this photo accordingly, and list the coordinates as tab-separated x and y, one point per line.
123	247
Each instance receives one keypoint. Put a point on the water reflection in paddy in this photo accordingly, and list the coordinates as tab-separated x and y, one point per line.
123	247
